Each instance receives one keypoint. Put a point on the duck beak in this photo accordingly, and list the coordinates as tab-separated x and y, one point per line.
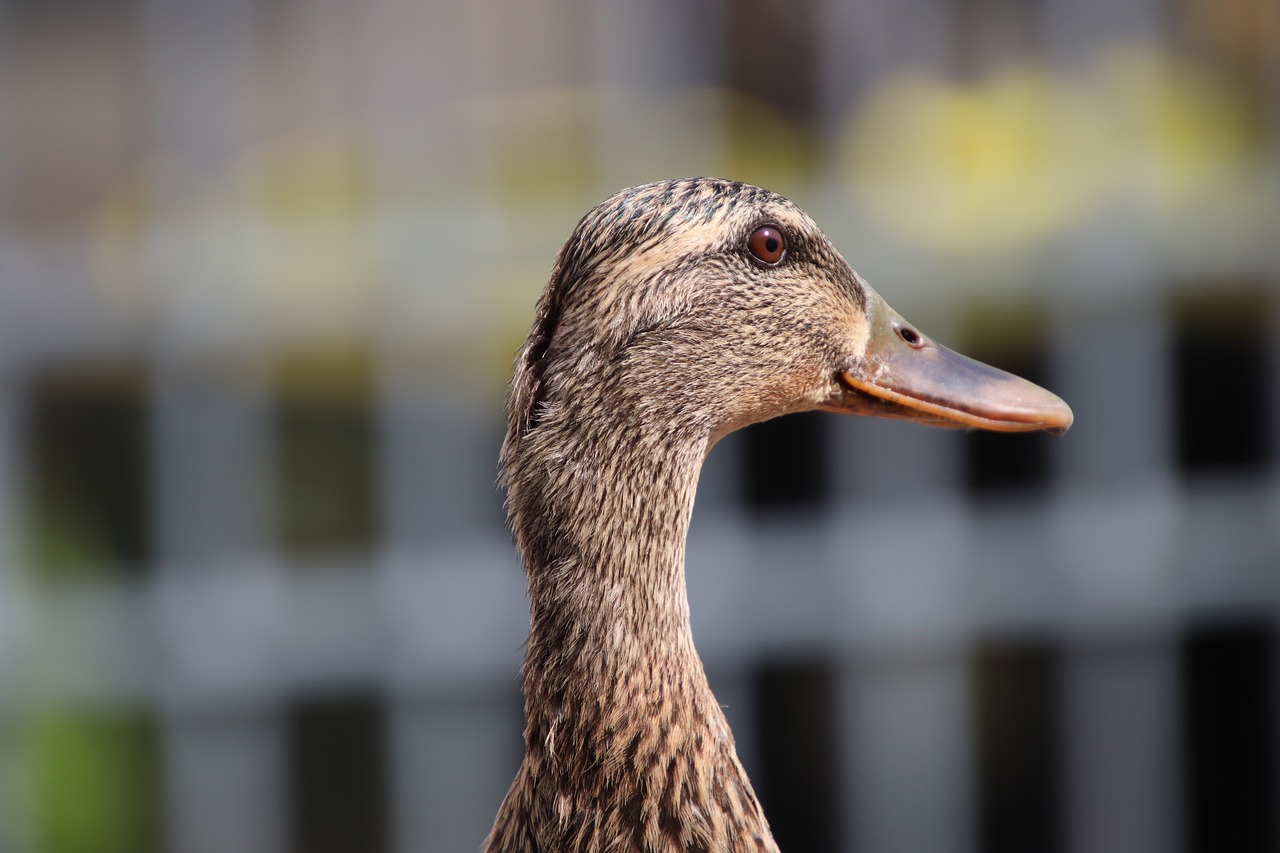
907	376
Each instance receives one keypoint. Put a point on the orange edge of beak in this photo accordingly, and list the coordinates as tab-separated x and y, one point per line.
1055	421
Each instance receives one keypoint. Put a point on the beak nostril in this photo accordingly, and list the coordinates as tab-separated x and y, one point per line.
911	336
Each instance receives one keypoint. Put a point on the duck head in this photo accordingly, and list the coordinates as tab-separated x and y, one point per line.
709	304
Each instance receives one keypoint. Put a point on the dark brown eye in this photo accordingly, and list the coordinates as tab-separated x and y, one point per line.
766	245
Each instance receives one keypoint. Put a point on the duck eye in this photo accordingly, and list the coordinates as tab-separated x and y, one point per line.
767	245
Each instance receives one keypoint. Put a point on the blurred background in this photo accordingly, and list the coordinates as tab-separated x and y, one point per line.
263	268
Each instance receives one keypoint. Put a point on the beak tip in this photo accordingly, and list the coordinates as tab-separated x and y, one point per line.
1059	430
1060	418
1053	417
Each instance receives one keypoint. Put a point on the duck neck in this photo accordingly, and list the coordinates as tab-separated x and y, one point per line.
603	540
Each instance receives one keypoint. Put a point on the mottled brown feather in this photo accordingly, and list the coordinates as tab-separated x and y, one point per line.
657	335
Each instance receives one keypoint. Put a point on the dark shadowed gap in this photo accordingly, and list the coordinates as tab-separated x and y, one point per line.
326	452
88	472
1018	760
337	776
1230	715
1222	382
797	778
786	465
996	463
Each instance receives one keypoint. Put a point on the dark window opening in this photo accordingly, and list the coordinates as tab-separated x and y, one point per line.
798	775
1229	737
996	462
786	463
326	454
89	473
1016	691
337	776
1222	384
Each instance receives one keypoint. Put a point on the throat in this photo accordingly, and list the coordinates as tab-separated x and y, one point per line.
610	658
625	745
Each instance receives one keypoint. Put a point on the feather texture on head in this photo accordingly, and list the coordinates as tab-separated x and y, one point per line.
676	313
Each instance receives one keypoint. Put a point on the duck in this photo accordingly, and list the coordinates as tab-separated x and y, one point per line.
677	312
